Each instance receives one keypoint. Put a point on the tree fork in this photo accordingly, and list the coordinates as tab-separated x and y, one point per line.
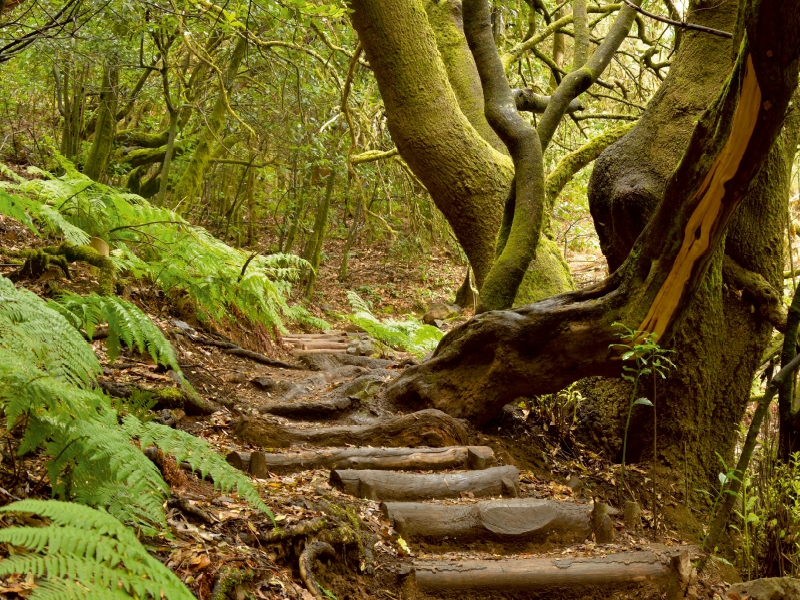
537	349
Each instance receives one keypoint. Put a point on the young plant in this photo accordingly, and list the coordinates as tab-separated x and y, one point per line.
648	359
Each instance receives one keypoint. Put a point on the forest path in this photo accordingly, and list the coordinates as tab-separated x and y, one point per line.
452	516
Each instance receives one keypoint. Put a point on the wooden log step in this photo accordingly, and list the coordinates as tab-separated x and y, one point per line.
300	352
388	485
428	427
513	520
425	459
667	570
321	345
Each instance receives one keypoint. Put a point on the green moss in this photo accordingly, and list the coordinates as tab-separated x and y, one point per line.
547	276
229	579
39	260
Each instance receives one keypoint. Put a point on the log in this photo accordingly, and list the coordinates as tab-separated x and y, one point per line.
321	345
633	569
429	427
389	485
424	459
307	410
515	520
300	352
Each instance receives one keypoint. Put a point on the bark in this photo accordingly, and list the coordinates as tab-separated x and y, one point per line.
424	459
467	178
191	181
519	520
633	569
789	415
106	126
423	428
388	485
501	355
314	551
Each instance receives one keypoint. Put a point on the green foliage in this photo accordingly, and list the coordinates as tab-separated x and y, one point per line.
411	335
557	413
84	553
126	323
48	373
159	244
649	359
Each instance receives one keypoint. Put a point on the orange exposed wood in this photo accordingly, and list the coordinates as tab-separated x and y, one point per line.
699	229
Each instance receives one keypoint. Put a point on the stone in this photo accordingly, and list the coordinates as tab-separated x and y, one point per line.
438	323
442	312
773	588
633	516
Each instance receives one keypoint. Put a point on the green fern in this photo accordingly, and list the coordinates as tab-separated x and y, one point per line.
159	244
411	336
84	553
126	323
48	382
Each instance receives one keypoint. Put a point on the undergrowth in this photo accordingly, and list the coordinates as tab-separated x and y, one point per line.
95	456
410	336
157	243
83	553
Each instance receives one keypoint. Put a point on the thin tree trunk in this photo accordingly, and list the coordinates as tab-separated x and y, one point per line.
106	126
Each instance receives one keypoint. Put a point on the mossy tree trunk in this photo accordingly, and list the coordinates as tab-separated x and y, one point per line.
106	127
670	282
191	181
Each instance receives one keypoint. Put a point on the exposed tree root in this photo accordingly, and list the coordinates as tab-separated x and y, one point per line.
424	428
312	552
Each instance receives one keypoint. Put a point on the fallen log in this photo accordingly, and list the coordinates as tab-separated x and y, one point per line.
172	397
428	427
633	569
389	485
424	459
515	520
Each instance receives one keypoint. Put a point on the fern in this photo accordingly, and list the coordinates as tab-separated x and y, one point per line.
411	336
159	244
85	553
93	459
126	323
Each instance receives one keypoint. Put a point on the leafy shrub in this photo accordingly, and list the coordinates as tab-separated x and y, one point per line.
410	336
158	243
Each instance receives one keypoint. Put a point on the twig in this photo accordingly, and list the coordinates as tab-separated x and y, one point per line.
313	551
681	24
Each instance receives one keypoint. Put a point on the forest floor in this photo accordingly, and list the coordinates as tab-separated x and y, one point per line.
221	548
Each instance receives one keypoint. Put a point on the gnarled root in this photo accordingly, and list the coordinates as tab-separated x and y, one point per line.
313	551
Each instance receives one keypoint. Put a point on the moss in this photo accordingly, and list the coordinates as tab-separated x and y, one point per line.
547	276
39	260
106	125
228	580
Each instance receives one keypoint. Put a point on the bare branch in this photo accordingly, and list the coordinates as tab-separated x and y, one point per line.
681	24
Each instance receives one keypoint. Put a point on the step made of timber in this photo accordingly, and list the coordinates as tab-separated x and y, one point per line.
512	520
665	569
388	485
424	459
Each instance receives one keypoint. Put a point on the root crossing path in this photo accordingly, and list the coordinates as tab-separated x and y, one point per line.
460	523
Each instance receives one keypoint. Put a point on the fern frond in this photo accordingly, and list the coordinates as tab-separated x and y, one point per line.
86	547
126	322
185	447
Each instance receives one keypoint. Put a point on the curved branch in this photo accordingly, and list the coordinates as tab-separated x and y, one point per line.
681	24
580	80
312	552
529	101
505	276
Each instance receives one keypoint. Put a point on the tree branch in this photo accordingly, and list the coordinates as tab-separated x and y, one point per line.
681	24
529	101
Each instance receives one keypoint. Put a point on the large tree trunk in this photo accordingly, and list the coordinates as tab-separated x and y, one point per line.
674	264
719	344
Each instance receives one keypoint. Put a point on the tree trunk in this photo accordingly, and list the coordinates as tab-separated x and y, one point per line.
191	181
106	126
674	264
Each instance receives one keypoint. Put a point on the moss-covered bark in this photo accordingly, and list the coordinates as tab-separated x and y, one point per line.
191	181
721	339
106	127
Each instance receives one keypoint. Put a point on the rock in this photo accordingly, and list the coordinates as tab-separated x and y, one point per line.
438	323
362	347
633	516
773	588
442	312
